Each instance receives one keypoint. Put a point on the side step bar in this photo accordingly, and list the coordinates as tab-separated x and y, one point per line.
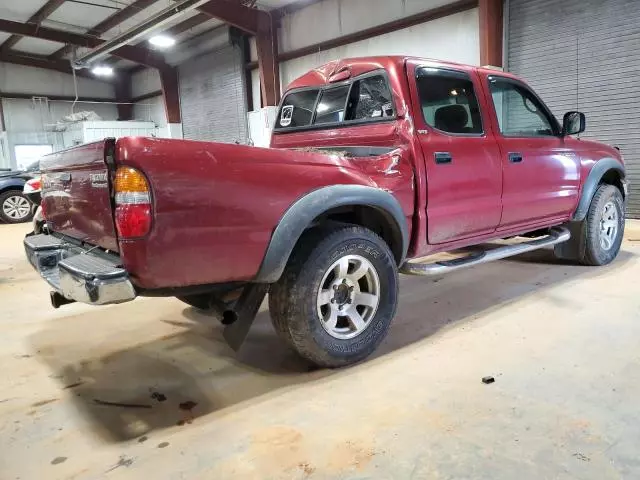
556	235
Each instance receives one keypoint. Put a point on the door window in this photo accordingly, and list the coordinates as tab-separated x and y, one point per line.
370	98
331	105
448	101
519	112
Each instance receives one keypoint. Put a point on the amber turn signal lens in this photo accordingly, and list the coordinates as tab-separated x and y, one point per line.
130	180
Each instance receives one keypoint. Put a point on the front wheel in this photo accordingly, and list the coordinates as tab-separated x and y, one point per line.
603	226
337	296
596	240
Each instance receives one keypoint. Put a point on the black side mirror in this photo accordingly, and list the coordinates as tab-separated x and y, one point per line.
573	123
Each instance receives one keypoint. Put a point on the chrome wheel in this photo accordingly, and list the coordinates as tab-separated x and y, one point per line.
348	297
16	207
609	226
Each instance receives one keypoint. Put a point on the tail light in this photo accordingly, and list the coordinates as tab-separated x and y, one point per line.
133	203
32	186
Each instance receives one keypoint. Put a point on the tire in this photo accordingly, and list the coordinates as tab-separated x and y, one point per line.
15	207
605	219
363	302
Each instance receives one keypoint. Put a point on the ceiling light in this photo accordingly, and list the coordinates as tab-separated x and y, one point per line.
102	71
162	41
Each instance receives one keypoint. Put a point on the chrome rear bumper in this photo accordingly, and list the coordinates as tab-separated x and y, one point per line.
77	273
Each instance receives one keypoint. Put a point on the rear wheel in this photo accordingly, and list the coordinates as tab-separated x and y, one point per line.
337	296
15	207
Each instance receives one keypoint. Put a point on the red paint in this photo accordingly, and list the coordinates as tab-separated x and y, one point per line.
215	205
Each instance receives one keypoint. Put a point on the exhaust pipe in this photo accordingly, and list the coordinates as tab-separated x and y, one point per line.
57	300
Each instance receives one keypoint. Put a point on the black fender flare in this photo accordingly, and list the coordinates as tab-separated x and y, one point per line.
590	186
301	214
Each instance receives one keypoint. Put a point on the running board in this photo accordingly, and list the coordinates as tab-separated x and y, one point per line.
556	235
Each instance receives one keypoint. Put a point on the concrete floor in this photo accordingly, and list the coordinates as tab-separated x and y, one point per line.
563	343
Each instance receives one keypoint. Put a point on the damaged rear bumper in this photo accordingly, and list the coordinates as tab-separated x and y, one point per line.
77	273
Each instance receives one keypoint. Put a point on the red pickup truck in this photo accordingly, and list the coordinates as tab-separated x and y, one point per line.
374	164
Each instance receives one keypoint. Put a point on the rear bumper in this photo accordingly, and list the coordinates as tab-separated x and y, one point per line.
79	274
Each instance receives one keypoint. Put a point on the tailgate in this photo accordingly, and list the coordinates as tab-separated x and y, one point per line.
76	194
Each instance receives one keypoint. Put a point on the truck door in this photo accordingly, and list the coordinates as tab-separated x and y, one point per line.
462	160
541	174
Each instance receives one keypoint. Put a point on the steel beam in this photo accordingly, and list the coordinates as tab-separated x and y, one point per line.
56	65
35	19
170	94
107	24
490	15
128	52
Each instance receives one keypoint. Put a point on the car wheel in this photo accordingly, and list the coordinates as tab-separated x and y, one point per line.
603	226
15	207
336	299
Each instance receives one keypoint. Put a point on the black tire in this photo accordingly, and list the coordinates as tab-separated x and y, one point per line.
292	300
4	197
593	252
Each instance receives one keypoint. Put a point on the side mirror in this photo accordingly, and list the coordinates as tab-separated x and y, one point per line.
573	123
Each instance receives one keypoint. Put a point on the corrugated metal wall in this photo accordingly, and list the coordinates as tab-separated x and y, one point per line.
584	55
212	97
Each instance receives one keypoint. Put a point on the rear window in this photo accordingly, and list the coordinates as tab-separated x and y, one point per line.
366	98
297	109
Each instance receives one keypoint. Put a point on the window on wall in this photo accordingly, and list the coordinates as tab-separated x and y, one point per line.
448	101
520	113
362	99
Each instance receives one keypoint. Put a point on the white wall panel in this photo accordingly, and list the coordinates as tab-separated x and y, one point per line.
29	122
334	18
151	109
22	79
145	81
454	38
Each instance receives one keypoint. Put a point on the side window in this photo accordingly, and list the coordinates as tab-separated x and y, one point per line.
519	112
331	105
448	101
297	109
370	98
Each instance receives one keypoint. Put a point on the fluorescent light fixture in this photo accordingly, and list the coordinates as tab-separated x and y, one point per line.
102	71
322	107
162	41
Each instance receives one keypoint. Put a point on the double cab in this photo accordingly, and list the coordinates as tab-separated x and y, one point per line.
375	165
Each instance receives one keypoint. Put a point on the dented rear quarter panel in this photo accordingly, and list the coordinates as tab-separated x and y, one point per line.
215	205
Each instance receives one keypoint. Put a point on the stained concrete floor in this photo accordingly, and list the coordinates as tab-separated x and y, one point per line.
563	343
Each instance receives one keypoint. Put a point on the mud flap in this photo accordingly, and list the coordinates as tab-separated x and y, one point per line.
573	250
245	309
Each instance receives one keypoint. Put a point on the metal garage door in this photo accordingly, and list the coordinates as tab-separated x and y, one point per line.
584	55
212	97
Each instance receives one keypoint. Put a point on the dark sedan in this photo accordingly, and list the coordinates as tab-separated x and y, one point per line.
15	207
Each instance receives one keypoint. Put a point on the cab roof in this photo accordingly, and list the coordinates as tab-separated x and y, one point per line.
321	76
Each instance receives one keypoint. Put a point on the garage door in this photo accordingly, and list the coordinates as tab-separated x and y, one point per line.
584	55
212	98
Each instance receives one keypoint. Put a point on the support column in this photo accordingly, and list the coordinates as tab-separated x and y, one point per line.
267	45
490	14
171	96
123	94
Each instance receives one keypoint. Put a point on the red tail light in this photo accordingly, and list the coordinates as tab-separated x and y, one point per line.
33	185
133	203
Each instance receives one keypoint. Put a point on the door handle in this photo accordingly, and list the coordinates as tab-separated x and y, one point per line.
443	158
515	157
